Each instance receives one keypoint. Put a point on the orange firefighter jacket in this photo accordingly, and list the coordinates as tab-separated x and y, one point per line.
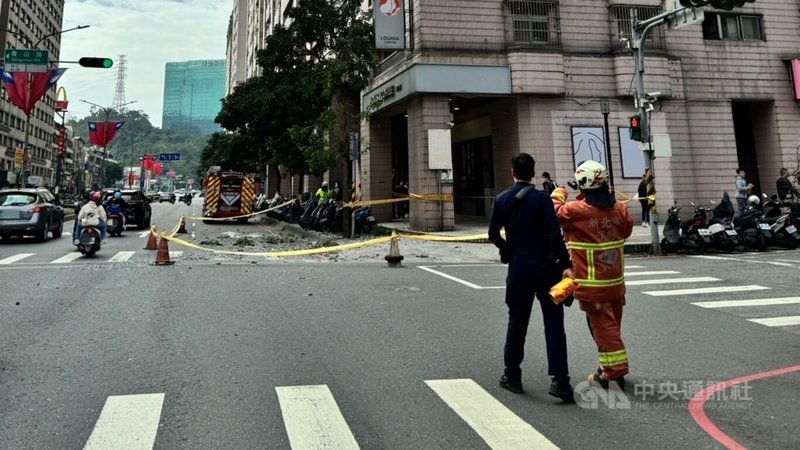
596	239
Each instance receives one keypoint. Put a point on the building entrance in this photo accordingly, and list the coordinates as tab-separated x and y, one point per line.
473	176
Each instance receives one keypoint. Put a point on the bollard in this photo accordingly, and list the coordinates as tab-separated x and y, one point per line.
162	257
152	244
394	257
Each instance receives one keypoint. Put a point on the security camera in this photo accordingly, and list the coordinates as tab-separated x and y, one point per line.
652	95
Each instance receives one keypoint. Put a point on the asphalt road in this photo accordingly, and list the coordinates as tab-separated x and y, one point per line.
222	351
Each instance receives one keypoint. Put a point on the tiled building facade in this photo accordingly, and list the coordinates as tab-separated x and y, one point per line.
518	75
30	21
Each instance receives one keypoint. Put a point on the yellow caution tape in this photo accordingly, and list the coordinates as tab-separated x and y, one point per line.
433	237
310	251
226	219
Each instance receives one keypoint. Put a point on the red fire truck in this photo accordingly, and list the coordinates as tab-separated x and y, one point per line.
228	194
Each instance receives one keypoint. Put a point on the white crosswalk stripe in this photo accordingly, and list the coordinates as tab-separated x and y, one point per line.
144	234
778	321
671	281
649	273
127	422
15	258
313	419
496	424
743	303
706	290
68	258
781	305
121	256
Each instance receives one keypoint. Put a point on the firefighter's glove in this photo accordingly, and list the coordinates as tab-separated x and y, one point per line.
560	194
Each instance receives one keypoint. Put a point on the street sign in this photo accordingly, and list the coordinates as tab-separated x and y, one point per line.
25	60
14	56
169	157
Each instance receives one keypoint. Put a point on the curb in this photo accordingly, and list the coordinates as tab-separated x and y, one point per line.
641	248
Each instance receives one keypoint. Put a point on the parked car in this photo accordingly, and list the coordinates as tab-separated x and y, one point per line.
166	197
138	211
30	212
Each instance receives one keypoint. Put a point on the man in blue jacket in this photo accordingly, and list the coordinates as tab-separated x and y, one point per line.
536	256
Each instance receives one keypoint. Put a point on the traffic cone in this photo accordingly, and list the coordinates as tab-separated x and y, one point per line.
182	229
152	244
162	257
394	257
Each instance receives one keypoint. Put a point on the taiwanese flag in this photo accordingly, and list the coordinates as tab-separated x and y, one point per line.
18	83
158	168
147	162
101	133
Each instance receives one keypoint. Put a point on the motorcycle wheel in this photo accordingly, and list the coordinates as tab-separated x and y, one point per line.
695	244
760	243
666	247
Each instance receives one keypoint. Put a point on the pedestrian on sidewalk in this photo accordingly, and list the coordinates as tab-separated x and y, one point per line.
595	227
743	189
548	185
644	201
536	257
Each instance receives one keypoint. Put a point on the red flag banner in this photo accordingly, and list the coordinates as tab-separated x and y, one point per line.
101	133
147	162
158	168
26	88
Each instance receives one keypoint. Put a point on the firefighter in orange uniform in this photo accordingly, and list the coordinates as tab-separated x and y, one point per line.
595	227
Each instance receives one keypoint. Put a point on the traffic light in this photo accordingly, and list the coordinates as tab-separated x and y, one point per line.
102	63
635	127
728	5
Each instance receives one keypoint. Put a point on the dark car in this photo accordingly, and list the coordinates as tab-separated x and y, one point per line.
30	212
138	211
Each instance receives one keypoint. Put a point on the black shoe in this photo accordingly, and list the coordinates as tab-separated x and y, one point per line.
561	388
598	378
505	383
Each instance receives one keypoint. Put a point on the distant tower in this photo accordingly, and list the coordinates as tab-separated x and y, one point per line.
119	91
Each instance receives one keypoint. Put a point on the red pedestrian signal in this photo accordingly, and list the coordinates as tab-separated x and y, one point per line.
635	129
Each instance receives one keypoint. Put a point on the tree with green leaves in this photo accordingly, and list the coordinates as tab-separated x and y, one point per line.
298	114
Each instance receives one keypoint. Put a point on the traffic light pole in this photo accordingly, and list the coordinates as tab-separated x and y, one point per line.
642	102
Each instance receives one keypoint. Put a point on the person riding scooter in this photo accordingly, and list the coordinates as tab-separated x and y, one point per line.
116	207
88	213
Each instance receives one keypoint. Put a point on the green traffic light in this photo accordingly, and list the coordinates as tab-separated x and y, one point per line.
103	63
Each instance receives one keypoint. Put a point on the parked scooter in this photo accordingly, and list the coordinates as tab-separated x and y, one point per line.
753	233
681	235
784	233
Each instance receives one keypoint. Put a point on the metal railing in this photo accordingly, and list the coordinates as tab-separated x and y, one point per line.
530	23
621	24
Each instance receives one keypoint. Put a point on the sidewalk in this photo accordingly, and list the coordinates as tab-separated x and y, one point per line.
639	242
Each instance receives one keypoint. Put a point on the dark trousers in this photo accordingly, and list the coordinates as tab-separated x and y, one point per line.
645	210
527	277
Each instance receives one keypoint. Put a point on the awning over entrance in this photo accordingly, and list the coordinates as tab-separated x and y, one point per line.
439	78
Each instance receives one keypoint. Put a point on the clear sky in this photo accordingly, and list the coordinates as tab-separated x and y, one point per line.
150	33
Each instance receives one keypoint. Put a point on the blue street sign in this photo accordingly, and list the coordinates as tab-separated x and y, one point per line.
169	157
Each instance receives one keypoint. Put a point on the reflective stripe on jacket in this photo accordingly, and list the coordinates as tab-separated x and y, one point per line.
596	239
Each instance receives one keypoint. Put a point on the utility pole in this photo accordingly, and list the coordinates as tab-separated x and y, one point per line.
644	102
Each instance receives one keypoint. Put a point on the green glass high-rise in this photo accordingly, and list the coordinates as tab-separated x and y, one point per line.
193	91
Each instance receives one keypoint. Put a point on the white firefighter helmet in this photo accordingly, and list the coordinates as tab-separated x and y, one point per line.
753	200
591	175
